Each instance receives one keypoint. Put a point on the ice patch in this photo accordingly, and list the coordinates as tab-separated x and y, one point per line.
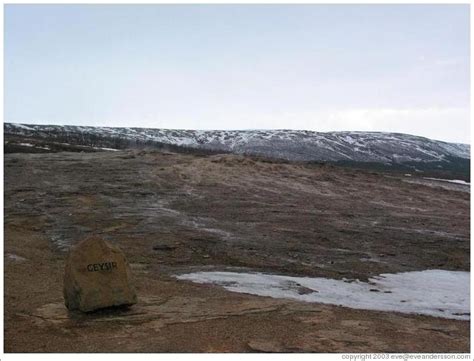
436	293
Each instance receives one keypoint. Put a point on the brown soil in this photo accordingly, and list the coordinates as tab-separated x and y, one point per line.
173	213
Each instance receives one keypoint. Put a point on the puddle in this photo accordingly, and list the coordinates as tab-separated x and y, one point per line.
436	293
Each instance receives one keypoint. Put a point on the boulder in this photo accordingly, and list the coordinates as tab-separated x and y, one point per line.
97	276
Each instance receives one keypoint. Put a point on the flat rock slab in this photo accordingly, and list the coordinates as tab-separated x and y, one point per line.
97	276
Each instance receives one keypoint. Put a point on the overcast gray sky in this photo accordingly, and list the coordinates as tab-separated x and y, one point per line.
400	68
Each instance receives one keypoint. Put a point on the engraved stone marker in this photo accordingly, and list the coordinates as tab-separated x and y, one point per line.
97	276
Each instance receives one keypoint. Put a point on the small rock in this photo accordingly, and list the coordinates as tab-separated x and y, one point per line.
97	276
305	290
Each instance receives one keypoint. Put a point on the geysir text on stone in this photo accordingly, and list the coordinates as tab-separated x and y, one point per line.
106	266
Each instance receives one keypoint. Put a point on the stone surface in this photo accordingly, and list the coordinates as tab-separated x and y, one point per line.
97	276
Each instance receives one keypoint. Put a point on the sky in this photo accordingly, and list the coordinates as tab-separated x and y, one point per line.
395	68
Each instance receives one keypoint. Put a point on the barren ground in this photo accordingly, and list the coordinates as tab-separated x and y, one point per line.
174	213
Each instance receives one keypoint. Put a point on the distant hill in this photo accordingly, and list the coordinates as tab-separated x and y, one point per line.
364	149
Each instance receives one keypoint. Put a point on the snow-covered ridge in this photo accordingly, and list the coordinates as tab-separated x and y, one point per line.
287	144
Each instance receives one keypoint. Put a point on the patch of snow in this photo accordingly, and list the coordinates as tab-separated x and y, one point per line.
182	141
26	144
15	257
22	126
349	139
200	223
61	244
457	181
33	146
436	293
109	149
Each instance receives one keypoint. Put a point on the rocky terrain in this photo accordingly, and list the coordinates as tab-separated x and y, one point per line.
174	213
388	151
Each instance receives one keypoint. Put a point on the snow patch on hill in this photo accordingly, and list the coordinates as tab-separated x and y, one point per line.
296	145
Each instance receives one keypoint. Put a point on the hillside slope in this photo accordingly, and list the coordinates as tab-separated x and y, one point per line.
373	148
